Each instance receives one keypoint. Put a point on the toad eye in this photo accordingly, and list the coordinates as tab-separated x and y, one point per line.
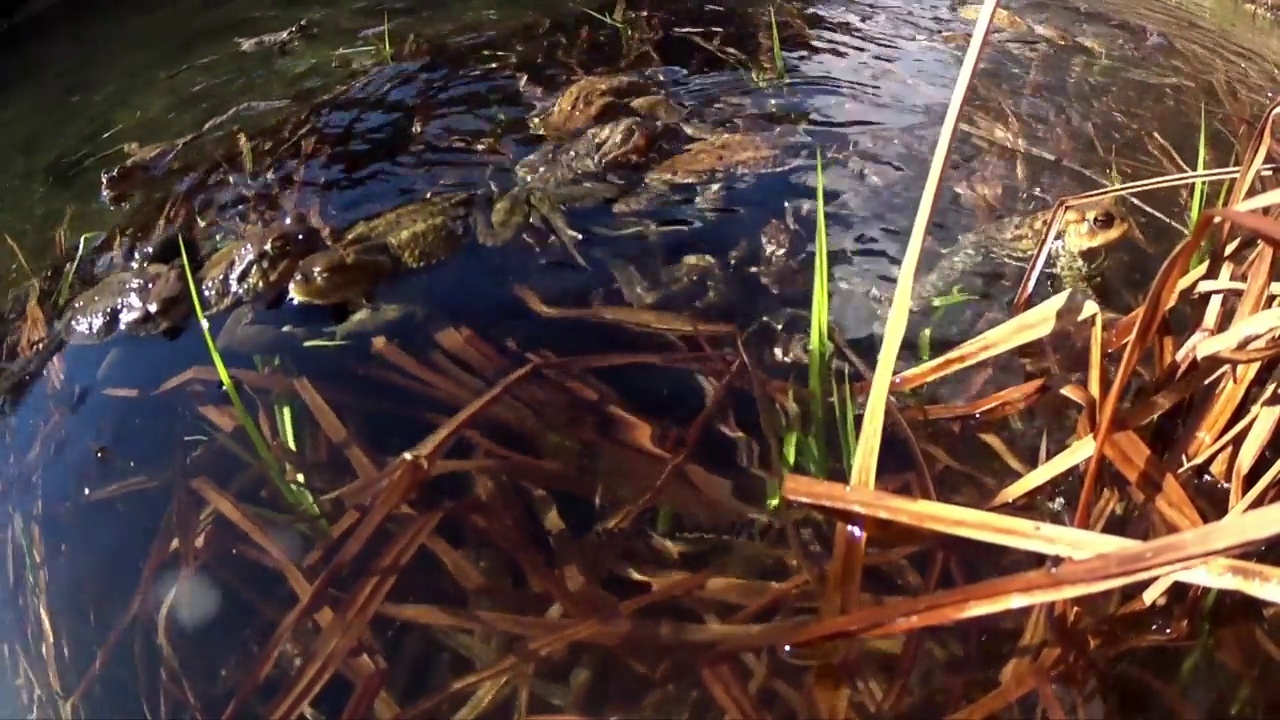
278	245
1104	221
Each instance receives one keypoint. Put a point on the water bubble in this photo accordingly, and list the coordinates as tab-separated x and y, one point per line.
193	598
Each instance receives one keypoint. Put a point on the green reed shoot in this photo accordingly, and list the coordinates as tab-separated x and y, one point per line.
955	297
282	411
64	287
846	415
1198	192
246	153
940	303
925	343
819	340
779	65
764	77
804	440
814	455
386	38
616	20
1198	189
790	436
805	443
602	18
293	494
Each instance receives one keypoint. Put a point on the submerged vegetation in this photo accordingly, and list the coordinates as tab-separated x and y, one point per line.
673	523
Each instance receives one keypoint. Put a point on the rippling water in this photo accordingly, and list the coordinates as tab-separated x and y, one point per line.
1105	112
872	72
80	83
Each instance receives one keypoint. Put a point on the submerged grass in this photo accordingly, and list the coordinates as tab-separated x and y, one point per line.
814	459
1198	190
388	54
779	62
296	495
64	287
617	19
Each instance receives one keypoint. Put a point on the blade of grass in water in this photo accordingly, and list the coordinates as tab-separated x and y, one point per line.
940	304
64	287
603	18
819	342
847	416
779	67
282	410
866	457
386	38
1198	193
790	439
297	497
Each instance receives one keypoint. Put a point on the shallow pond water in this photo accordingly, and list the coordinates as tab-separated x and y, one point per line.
870	81
103	77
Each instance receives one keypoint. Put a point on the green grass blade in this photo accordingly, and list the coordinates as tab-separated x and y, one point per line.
819	342
386	37
1198	192
296	496
64	287
779	65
